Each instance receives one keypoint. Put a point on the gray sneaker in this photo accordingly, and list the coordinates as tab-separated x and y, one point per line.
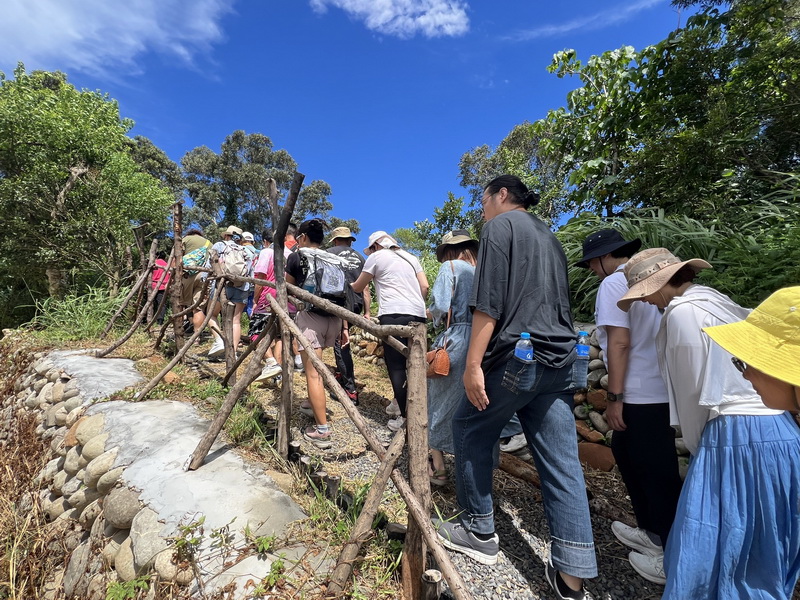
453	535
514	443
560	588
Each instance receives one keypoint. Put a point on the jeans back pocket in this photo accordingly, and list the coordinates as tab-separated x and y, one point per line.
519	376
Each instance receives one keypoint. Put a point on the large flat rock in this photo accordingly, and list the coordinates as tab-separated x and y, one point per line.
156	439
96	377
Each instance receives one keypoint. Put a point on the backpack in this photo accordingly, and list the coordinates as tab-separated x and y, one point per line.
235	260
195	258
326	275
353	302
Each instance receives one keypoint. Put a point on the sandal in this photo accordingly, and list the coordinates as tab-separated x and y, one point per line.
439	477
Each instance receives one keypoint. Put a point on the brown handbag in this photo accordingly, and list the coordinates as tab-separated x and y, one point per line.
438	359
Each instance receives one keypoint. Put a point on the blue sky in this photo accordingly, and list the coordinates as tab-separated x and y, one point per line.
380	98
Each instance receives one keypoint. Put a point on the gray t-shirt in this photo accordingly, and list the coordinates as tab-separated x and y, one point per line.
521	280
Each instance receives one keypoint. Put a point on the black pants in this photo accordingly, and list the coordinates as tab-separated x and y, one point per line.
396	362
645	453
344	365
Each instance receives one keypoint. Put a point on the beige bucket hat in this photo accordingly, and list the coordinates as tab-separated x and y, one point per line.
650	270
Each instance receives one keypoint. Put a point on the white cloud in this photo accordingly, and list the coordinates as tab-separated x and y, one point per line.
103	36
612	16
405	18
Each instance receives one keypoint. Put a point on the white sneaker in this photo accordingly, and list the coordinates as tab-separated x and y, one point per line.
298	363
514	443
393	409
636	538
396	424
268	372
217	348
649	567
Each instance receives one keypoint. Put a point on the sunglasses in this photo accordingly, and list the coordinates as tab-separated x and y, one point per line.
739	364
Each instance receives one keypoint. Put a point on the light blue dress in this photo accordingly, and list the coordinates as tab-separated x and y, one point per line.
445	393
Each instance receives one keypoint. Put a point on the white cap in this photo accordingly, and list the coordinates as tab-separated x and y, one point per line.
248	237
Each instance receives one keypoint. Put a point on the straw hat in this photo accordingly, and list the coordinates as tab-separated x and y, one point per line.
233	230
604	242
342	232
451	238
769	338
650	270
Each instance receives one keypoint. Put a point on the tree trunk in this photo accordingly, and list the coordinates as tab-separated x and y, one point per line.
56	282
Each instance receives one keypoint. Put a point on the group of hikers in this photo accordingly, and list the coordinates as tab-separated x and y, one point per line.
678	354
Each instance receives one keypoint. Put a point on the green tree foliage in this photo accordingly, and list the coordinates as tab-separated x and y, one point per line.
70	190
154	161
518	154
427	234
700	124
230	187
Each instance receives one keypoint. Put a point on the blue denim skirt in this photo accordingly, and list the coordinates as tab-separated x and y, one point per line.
737	529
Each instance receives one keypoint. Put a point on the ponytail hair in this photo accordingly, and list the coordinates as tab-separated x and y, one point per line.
519	192
314	229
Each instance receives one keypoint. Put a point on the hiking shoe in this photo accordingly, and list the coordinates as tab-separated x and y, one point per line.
217	349
514	443
393	409
268	372
352	395
321	440
649	567
454	536
636	538
396	424
562	590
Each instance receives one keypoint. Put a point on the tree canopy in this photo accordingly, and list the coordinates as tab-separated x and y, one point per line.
70	189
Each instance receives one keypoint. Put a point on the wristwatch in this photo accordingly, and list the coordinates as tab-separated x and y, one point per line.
612	397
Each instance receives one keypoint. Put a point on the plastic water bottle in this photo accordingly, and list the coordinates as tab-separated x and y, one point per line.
524	348
582	364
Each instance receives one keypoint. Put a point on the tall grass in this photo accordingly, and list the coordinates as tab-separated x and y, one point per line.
76	317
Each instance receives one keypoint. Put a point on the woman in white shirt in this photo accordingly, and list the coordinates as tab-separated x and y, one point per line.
401	286
737	529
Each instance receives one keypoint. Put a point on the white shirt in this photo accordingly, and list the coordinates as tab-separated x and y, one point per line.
643	381
395	276
701	380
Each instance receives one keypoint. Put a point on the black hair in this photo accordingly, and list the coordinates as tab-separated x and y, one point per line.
519	191
314	229
267	236
194	231
161	254
292	229
683	275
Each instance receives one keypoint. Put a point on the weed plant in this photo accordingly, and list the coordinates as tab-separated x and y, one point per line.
76	317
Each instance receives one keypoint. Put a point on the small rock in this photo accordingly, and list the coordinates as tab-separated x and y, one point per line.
594	352
94	447
71	439
73	415
90	513
168	569
170	378
595	376
588	434
106	483
146	539
123	561
99	467
72	485
597	456
596	364
598	422
61	415
89	428
598	399
56	508
69	394
59	479
581	412
99	584
43	366
72	403
53	584
53	375
58	392
71	465
82	498
604	381
120	507
111	549
46	475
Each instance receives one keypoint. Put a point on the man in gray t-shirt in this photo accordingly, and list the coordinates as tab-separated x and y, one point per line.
521	286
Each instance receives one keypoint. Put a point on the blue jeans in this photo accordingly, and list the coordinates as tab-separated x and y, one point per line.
542	398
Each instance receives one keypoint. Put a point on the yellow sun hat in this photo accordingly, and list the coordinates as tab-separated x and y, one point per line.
769	338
